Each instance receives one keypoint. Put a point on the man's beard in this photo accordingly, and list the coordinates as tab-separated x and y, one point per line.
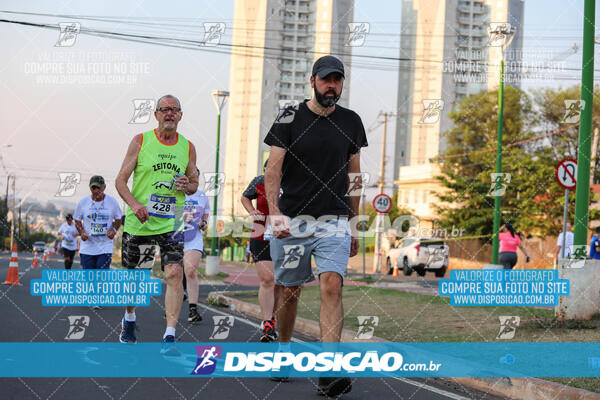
327	101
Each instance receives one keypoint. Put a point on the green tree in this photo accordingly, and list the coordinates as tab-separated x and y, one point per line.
533	200
551	105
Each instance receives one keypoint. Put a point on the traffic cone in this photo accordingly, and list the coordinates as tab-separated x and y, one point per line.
34	264
395	273
12	278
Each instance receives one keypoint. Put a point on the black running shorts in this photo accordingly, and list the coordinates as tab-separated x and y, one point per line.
260	249
138	250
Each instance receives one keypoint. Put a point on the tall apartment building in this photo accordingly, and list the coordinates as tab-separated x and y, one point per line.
274	46
445	56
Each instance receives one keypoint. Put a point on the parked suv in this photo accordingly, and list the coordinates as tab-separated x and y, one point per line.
419	255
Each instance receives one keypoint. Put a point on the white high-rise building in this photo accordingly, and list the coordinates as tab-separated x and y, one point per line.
445	56
274	46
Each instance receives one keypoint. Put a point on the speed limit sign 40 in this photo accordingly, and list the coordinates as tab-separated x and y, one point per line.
382	203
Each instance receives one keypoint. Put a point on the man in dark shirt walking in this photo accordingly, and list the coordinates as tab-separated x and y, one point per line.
315	148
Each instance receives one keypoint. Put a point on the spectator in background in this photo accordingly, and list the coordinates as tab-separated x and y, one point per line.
595	245
568	243
509	241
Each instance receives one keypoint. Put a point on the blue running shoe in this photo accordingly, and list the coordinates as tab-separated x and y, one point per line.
168	346
127	332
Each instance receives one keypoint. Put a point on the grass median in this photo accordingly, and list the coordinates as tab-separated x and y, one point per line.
412	317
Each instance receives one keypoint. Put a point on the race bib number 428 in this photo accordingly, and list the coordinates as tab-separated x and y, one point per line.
161	206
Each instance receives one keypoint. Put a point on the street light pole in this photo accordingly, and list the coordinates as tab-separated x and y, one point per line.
505	31
219	97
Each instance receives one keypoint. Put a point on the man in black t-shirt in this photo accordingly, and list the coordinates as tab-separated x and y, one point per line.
314	147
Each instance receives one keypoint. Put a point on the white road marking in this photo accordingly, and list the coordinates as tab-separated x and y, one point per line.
245	321
421	385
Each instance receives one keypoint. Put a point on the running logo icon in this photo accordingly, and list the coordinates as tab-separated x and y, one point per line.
580	253
213	183
356	186
146	260
287	111
163	184
77	325
207	359
508	327
498	188
142	110
432	110
223	324
68	34
366	326
213	32
68	183
573	111
357	33
292	253
496	36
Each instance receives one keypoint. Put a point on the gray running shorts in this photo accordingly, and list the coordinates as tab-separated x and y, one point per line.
328	242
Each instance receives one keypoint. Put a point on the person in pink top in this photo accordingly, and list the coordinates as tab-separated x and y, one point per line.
509	241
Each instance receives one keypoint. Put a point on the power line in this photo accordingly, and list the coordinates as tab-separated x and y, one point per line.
200	45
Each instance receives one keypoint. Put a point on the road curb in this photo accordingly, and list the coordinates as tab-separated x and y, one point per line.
511	388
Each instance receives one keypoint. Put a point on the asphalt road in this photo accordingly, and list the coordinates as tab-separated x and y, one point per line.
26	320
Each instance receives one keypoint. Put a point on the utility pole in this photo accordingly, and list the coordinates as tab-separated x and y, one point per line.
6	197
4	230
14	214
582	193
381	186
19	224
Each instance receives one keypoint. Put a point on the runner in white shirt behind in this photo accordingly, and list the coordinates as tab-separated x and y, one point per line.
97	218
197	210
68	234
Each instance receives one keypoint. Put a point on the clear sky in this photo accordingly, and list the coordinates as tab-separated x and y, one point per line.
84	126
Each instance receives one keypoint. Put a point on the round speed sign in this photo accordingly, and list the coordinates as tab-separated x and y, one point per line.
382	203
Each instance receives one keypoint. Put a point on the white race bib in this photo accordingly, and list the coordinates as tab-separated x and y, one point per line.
97	229
161	206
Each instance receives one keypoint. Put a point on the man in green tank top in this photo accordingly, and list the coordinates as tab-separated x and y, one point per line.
163	164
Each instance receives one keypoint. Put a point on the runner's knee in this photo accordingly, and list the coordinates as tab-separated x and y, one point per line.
267	282
173	274
191	273
331	285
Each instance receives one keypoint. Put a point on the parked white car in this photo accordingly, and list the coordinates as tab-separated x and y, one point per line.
39	246
420	255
